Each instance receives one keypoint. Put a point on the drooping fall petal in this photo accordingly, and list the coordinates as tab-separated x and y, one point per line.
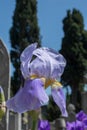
58	96
31	97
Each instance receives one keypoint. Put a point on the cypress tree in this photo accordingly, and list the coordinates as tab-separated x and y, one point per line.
23	32
74	49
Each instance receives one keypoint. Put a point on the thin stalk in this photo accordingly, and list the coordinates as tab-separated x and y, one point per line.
34	114
34	124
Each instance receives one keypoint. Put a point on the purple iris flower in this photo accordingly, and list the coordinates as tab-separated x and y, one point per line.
76	125
80	123
39	72
30	97
84	121
81	115
43	125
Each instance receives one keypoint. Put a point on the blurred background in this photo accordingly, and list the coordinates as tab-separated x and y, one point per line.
57	24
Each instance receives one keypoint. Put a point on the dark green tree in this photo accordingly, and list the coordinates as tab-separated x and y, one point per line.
74	49
23	32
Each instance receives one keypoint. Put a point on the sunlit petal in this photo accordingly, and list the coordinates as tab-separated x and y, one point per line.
25	59
52	62
30	97
48	63
59	99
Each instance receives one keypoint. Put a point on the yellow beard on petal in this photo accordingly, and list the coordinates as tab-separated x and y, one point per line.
56	84
34	76
51	82
48	82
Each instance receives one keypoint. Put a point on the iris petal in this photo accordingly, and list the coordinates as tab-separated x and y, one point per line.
30	97
25	59
48	63
43	125
76	125
53	62
59	99
85	122
81	115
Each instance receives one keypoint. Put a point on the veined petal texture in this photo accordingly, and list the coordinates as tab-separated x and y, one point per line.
25	59
48	63
31	97
59	99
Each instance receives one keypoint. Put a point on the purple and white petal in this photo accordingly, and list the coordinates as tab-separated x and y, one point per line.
59	99
53	62
31	97
25	59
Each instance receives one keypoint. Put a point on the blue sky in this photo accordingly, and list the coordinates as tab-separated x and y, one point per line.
50	15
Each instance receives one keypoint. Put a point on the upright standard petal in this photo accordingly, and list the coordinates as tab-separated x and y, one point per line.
52	62
31	97
58	96
27	53
25	59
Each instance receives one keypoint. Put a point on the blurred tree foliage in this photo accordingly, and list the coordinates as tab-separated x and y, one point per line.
51	111
23	32
74	49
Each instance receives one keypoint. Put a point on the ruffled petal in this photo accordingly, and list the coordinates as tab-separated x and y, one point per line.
31	97
59	99
25	59
48	63
28	52
52	62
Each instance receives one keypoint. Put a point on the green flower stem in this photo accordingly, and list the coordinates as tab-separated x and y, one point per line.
34	124
34	115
